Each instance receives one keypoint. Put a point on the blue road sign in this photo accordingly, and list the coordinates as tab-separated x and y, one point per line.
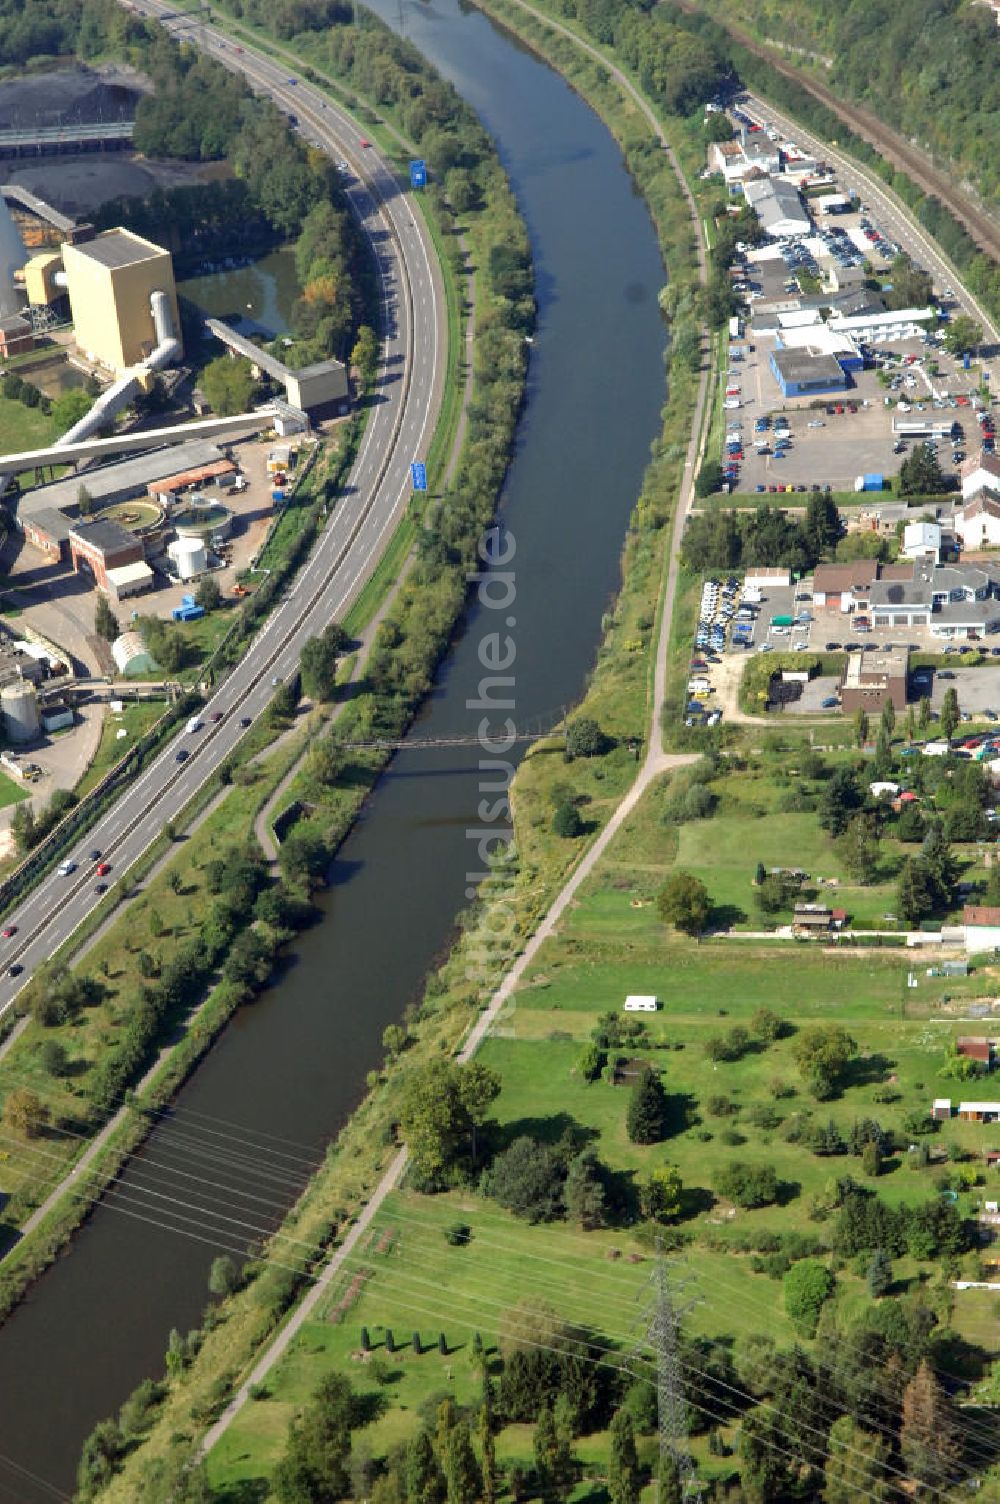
418	173
418	473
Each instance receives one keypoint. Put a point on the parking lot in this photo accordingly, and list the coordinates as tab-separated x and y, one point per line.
831	449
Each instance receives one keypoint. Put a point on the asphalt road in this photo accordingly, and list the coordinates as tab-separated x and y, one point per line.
886	209
362	521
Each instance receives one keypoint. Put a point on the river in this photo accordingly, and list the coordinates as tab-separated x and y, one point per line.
289	1068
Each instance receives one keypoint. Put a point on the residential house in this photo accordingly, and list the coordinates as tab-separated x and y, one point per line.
977	523
843	587
975	1047
982	927
980	472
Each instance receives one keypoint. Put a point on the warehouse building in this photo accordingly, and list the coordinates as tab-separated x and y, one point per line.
807	373
111	280
779	206
872	679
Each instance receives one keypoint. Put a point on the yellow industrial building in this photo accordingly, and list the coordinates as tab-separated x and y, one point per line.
111	280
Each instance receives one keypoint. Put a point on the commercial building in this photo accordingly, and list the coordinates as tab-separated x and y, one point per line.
127	580
819	339
953	600
844	587
980	472
779	206
111	280
807	373
97	547
893	324
871	679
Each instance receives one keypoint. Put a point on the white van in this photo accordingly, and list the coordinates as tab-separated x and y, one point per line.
194	724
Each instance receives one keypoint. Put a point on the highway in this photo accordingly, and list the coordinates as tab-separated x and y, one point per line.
362	521
889	212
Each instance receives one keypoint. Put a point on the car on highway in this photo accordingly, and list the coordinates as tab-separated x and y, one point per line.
65	869
9	931
103	868
245	721
216	716
95	855
364	141
15	970
182	755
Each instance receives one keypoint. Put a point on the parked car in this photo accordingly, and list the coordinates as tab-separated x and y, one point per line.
830	703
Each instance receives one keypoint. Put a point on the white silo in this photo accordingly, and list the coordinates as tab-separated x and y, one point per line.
19	704
12	258
189	556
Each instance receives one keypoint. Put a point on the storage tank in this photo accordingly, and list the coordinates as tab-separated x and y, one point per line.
189	556
19	705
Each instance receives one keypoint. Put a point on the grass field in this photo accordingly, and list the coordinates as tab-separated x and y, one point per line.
23	427
135	719
11	792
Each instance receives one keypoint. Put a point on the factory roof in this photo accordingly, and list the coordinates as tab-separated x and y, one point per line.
132	475
865	667
806	365
115	248
104	534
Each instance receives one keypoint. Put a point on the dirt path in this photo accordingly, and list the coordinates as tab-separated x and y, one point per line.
895	148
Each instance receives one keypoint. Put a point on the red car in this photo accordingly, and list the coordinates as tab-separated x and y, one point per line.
9	931
103	868
364	141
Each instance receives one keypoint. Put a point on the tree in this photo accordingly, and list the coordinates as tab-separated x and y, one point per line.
304	856
318	662
425	1482
553	1456
914	891
840	798
566	821
709	479
950	712
748	1186
858	849
528	1180
593	1059
962	335
364	356
939	862
929	1437
25	1112
765	1024
879	1276
646	1121
861	727
53	1057
661	1197
477	1088
223	1277
584	738
487	1446
84	501
858	1466
624	1483
920	474
924	714
228	384
461	1470
316	1462
583	1192
821	526
683	901
887	720
105	620
807	1285
208	595
822	1053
